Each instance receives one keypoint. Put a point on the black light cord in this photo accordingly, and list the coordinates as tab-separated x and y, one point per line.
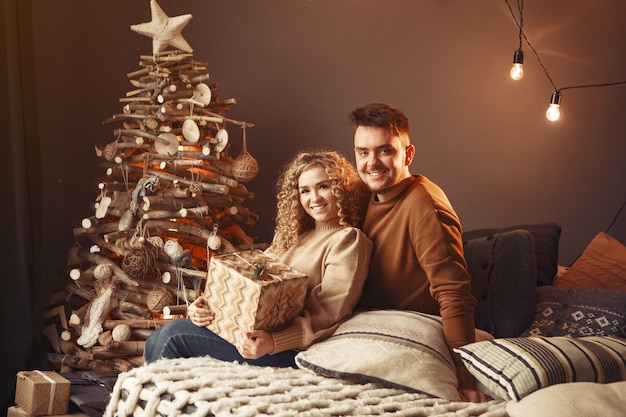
520	24
593	85
520	9
532	48
616	217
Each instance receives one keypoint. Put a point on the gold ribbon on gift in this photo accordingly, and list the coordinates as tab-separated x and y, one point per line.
53	388
260	268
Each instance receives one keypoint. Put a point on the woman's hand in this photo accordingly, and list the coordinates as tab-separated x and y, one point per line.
199	313
255	343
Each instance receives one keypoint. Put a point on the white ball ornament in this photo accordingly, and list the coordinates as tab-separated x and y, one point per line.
214	242
121	332
102	271
172	248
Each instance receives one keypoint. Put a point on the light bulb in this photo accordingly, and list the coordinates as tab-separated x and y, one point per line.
517	71
554	113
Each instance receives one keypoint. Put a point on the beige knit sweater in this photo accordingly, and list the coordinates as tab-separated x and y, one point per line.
335	258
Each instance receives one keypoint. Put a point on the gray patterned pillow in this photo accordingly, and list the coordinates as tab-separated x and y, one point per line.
546	238
578	311
504	281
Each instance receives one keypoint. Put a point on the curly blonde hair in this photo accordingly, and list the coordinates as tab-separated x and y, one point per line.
291	219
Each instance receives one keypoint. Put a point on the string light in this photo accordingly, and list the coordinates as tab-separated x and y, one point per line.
554	112
554	109
517	70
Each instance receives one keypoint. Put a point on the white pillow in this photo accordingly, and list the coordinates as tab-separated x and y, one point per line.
575	399
400	349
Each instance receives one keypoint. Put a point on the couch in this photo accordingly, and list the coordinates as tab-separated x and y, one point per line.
558	348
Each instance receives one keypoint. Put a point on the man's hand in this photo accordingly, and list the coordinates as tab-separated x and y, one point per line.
255	343
466	387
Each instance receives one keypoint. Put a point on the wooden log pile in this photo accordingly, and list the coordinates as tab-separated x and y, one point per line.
170	197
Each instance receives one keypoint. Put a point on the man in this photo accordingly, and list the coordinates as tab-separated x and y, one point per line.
418	262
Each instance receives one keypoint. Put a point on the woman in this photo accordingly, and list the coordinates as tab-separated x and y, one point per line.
319	206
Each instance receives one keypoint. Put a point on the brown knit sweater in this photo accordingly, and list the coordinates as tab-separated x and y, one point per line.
418	263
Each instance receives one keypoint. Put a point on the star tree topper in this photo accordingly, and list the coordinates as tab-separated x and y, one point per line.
164	30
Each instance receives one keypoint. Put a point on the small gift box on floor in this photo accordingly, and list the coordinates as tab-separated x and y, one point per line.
251	290
41	393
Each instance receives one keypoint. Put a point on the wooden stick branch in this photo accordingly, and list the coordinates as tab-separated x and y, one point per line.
117	349
152	323
139	132
211	188
235	122
103	260
175	203
76	362
183	212
172	269
165	57
94	229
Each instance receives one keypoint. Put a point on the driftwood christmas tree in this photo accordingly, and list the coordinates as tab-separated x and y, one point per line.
170	196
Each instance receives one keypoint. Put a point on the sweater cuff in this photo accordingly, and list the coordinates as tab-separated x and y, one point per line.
290	338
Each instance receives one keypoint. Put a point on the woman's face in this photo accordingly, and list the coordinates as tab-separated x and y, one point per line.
316	196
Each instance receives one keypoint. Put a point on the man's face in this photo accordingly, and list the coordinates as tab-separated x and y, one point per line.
381	159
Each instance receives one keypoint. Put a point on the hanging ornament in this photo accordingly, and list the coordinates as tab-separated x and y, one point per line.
221	138
168	145
178	255
155	241
121	333
172	248
102	207
195	188
137	263
214	242
102	271
158	298
191	132
201	95
126	221
245	166
109	152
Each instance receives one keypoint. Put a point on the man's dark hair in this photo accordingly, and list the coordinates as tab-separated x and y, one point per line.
381	115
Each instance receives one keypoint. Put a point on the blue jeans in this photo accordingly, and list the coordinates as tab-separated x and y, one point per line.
181	338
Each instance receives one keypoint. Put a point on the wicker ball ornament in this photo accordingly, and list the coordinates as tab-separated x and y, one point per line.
245	167
137	263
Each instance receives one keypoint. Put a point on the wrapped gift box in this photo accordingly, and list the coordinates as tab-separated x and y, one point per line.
41	393
251	290
15	411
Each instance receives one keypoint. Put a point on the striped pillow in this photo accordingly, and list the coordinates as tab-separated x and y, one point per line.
512	368
398	349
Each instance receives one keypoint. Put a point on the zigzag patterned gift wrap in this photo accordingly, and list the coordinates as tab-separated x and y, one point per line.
251	290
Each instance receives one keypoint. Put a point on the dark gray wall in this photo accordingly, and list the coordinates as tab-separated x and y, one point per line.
297	67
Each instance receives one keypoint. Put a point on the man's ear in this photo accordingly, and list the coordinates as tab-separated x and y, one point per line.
409	153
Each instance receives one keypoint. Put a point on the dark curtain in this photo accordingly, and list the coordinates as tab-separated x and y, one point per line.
20	199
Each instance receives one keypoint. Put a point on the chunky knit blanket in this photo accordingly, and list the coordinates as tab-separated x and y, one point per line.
209	387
